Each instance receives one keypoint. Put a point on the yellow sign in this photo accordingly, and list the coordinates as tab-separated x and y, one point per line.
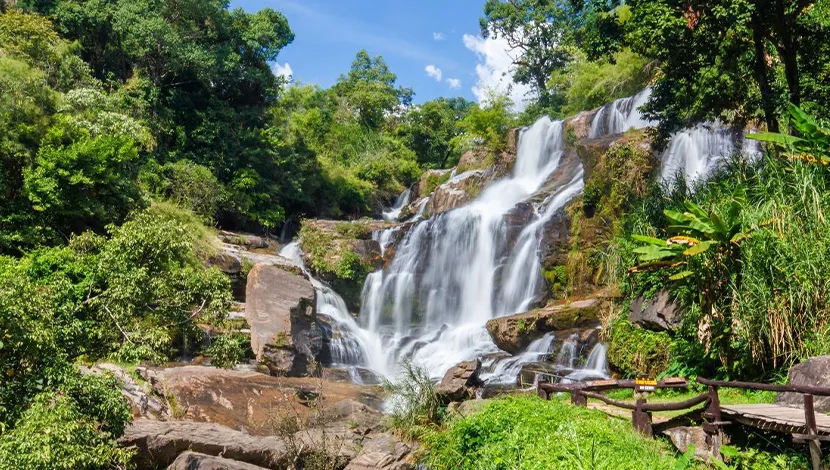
645	382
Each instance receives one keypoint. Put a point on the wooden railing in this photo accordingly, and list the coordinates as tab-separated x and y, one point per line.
712	414
714	421
641	410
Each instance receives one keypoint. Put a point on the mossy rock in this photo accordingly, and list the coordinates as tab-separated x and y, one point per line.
514	333
637	352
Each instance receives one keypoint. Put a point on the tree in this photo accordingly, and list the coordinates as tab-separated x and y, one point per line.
536	31
429	129
370	90
725	59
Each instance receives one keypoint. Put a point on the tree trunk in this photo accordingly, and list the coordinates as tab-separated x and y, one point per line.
761	75
787	49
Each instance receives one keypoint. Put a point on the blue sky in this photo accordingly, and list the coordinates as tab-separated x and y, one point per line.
411	35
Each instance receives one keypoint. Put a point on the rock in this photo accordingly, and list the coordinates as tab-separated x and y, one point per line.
140	396
252	402
246	240
460	382
227	262
280	311
197	461
514	333
158	443
382	451
684	436
579	126
458	191
659	313
814	371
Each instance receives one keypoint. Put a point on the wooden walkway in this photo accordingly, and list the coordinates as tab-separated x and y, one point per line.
776	418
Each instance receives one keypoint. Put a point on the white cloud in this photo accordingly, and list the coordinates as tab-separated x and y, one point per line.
439	36
454	83
494	69
434	72
284	71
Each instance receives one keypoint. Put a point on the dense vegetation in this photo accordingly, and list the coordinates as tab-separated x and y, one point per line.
130	127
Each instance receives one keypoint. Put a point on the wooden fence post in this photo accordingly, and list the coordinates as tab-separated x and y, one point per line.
542	393
578	398
712	428
641	419
812	431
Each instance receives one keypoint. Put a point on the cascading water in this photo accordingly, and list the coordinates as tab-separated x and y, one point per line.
401	201
621	115
453	272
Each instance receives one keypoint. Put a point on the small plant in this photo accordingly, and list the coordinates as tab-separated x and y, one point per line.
226	350
813	143
413	402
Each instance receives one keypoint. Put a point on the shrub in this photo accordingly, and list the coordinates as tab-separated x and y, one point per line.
519	433
637	352
413	403
54	434
226	350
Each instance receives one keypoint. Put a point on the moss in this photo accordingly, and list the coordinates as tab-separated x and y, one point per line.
620	177
557	279
570	137
638	352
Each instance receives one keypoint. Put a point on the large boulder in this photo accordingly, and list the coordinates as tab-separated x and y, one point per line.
659	313
815	372
197	461
280	309
158	443
252	402
514	333
460	382
382	451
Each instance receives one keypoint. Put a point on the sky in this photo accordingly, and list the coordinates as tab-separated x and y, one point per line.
433	46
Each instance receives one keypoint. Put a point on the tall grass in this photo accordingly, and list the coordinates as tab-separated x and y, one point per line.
774	307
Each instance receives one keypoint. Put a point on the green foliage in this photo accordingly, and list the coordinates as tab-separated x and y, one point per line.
55	434
811	143
525	433
486	125
637	352
588	85
226	350
187	184
430	128
538	29
620	178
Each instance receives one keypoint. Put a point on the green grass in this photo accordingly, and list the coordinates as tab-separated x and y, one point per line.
519	433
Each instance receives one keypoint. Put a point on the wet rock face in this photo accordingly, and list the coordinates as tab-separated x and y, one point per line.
814	371
514	333
253	402
280	312
660	313
460	382
579	126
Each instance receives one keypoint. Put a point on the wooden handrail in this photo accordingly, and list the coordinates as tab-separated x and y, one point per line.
681	405
809	389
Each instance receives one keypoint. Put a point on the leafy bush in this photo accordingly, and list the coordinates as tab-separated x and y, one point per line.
527	433
55	434
226	350
590	84
637	352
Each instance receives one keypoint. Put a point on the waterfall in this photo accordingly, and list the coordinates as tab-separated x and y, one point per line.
694	153
350	344
597	360
453	272
620	115
394	212
568	353
506	370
